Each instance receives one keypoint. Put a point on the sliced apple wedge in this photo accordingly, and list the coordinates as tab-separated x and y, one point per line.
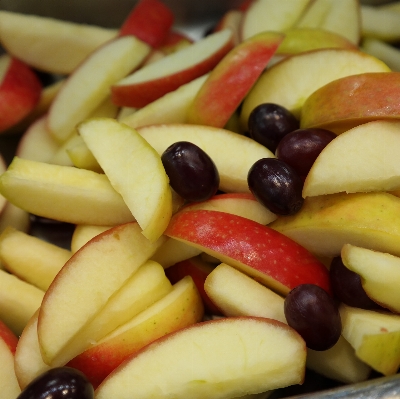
63	193
178	309
250	247
48	44
341	17
316	69
230	81
375	336
30	258
12	216
281	16
9	386
83	234
134	169
18	301
232	168
386	52
234	357
158	78
363	159
325	223
232	19
86	283
20	91
379	272
90	83
170	108
351	101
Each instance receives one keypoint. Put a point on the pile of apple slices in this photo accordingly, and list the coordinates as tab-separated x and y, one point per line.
130	302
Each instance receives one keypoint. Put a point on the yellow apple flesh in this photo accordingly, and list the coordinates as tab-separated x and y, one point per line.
325	223
9	386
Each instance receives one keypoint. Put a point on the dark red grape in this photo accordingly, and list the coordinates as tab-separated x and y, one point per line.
269	123
192	173
314	314
300	148
276	185
59	383
346	286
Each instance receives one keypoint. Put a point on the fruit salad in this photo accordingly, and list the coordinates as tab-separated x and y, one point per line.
206	217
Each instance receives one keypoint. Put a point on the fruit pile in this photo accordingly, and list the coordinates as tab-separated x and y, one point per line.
234	200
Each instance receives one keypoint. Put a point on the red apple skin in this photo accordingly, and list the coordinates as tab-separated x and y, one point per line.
140	94
150	21
20	92
8	337
174	41
198	270
245	5
232	79
257	250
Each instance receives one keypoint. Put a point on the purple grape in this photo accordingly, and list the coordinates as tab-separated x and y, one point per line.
192	173
276	185
269	123
59	383
300	148
314	314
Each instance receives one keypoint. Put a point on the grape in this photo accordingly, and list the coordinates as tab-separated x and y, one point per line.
59	383
192	173
276	185
269	123
314	314
300	148
346	286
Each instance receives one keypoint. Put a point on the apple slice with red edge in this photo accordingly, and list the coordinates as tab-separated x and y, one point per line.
150	21
9	338
233	77
234	357
9	386
260	252
167	74
20	91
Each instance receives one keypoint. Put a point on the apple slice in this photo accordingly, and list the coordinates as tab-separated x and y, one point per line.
325	223
134	169
8	337
298	40
97	271
250	247
20	91
363	98
12	216
375	336
36	143
28	358
241	204
150	21
48	44
9	386
18	301
230	81
232	19
233	163
237	294
158	78
314	69
90	83
234	357
178	309
363	159
170	108
83	234
63	193
140	291
380	23
342	17
280	16
386	52
30	258
374	269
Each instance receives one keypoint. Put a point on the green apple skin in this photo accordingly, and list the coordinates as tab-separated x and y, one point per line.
327	222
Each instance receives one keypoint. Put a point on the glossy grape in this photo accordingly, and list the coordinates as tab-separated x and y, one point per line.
314	314
300	148
192	173
276	185
268	123
346	286
59	383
